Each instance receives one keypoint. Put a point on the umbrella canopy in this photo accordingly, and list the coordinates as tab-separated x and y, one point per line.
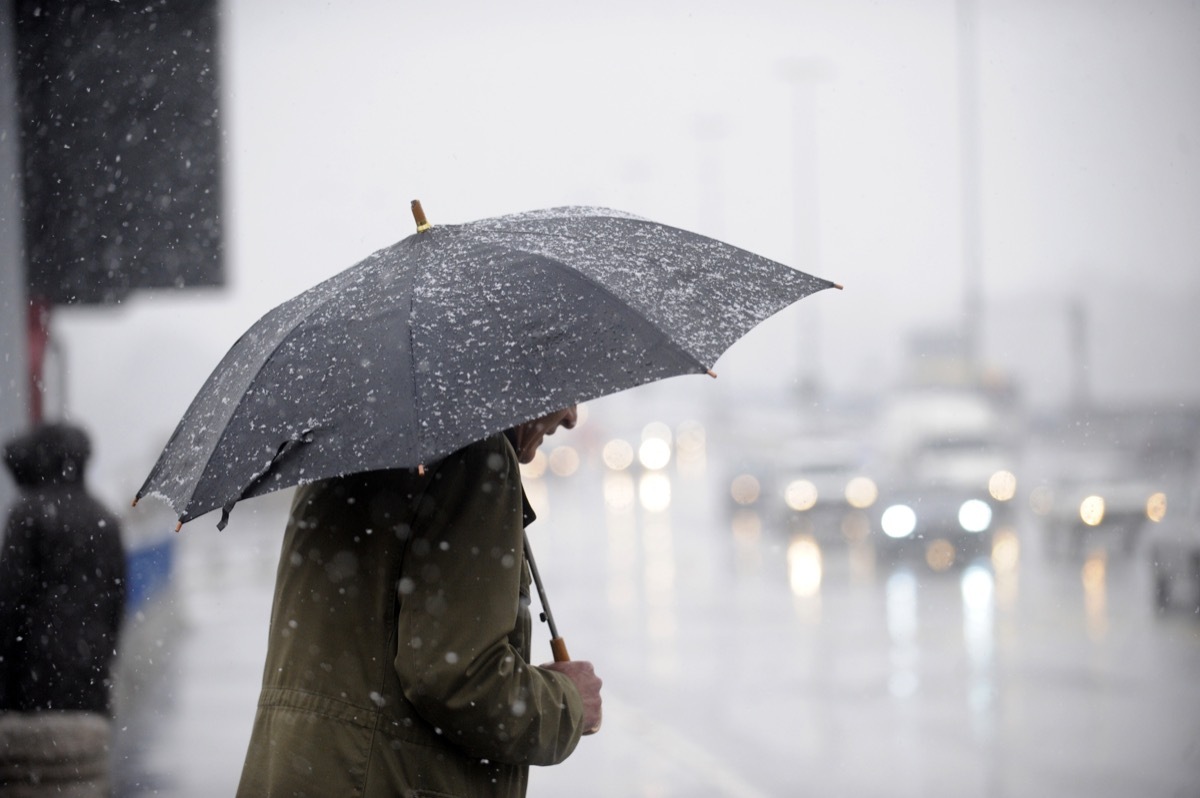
455	333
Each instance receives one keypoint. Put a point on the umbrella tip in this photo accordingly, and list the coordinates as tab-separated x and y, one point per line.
711	373
419	217
179	526
421	469
135	501
838	286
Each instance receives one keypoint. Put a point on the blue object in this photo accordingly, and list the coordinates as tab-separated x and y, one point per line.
148	570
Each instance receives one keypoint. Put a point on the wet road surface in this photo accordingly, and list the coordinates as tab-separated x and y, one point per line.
739	661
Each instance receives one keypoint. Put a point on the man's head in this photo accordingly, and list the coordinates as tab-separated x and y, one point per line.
527	437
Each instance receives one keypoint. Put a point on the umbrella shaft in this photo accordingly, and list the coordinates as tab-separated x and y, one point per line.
537	581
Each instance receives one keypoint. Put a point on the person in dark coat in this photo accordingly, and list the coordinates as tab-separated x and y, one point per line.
398	661
62	580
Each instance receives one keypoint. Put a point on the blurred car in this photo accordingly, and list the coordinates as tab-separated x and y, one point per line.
1101	496
814	483
1173	544
1108	471
945	502
940	525
822	490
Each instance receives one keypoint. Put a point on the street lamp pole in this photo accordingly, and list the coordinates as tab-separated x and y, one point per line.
803	74
969	166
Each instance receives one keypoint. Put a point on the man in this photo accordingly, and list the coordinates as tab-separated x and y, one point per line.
399	643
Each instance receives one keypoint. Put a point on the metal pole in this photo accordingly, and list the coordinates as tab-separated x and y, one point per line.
969	165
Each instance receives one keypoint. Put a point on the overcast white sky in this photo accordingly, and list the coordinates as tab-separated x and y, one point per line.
338	114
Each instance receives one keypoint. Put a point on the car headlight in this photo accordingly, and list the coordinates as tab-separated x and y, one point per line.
1156	507
1002	486
800	495
861	492
975	515
1091	510
898	521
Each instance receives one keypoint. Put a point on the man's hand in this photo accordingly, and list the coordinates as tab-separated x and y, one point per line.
588	684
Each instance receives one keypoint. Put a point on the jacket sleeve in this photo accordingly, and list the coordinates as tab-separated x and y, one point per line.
459	601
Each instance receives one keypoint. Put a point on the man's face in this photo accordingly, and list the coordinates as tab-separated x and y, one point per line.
530	434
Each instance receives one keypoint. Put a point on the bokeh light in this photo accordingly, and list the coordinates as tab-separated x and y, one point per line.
654	453
940	554
617	454
1156	507
804	566
861	492
564	461
975	515
654	492
1003	486
800	495
745	489
1006	550
1094	572
1091	510
619	493
535	468
898	521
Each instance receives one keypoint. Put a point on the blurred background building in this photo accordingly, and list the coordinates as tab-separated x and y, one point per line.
112	143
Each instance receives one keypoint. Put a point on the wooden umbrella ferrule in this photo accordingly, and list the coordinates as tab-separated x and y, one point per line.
419	217
711	373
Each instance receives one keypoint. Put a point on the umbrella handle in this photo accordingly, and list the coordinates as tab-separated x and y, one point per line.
559	647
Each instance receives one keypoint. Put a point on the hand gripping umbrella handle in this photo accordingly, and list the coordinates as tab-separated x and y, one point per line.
557	645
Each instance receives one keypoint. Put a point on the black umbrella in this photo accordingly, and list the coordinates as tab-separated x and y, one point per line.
455	333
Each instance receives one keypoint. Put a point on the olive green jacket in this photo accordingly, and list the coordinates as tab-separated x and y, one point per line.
399	642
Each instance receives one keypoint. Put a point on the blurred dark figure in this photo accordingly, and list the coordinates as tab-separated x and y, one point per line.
62	597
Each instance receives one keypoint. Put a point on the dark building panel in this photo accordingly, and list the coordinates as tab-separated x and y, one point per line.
121	146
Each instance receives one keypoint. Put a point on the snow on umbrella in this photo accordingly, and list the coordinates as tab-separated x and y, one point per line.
455	333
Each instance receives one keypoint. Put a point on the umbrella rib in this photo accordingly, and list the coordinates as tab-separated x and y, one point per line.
411	388
646	320
575	274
